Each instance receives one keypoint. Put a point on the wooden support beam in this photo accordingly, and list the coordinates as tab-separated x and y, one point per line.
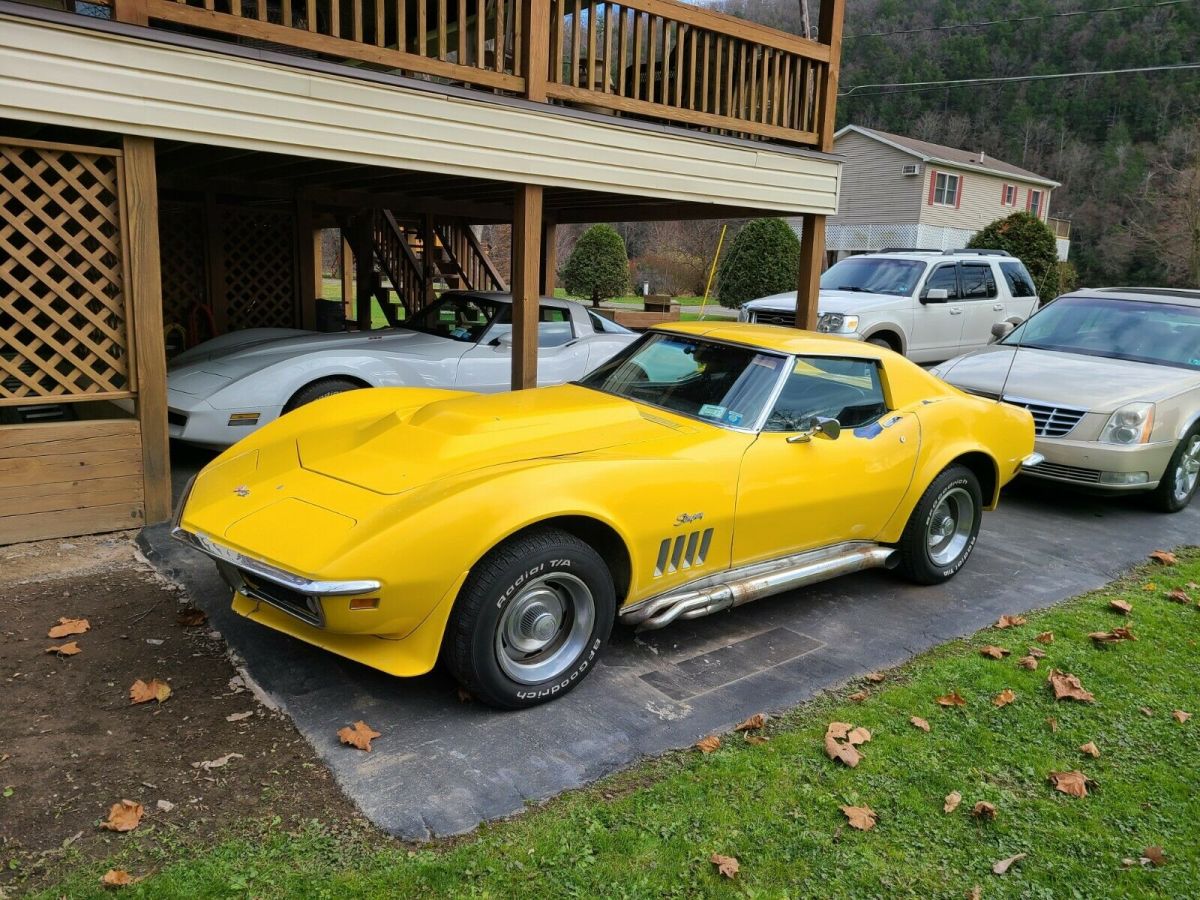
308	259
428	250
535	48
526	259
364	271
832	15
131	12
808	285
549	258
145	300
347	275
218	302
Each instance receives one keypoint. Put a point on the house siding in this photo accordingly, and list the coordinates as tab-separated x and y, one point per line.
980	198
873	190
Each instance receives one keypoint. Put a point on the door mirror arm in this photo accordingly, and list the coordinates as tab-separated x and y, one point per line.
817	426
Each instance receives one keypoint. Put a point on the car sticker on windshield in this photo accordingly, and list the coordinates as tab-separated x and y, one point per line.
769	362
733	418
712	411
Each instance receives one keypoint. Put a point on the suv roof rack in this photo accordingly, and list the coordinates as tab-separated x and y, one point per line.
976	252
906	250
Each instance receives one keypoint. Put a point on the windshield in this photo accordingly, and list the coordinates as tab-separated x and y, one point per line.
873	275
460	318
1158	333
718	383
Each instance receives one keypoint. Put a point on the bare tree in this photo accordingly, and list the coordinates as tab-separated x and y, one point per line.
1166	220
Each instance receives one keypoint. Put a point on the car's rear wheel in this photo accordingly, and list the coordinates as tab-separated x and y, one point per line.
326	387
943	528
1178	485
531	619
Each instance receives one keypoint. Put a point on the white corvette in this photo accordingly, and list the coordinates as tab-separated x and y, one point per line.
221	390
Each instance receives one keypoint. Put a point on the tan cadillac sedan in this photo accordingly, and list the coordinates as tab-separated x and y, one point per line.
1112	377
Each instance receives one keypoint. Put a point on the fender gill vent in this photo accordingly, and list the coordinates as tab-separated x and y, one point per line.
682	552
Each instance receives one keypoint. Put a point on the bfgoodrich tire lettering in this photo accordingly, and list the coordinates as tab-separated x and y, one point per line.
943	528
531	619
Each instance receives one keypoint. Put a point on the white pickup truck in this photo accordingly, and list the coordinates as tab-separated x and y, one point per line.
929	305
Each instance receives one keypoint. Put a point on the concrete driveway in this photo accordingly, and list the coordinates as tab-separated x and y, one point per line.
441	766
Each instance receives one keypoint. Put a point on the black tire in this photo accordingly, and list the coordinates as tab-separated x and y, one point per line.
1170	496
948	495
882	342
325	387
505	601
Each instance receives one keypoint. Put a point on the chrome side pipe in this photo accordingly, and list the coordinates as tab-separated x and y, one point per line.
740	586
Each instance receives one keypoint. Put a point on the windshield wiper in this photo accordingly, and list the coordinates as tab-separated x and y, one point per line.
857	290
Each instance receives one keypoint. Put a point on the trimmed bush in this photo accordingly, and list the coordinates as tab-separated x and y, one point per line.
1029	239
598	267
764	259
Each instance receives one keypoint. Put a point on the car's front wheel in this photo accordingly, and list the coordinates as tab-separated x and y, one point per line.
531	619
1178	485
943	528
326	387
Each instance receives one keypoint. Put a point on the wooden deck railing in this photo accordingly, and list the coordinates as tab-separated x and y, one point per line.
1060	227
653	59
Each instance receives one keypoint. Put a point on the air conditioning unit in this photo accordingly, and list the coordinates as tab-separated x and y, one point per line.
911	169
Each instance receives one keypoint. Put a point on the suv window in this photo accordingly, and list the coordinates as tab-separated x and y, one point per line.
978	283
945	277
849	390
1019	282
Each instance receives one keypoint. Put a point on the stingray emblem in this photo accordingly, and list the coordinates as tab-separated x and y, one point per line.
242	491
685	518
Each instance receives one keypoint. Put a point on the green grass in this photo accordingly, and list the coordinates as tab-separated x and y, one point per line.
648	832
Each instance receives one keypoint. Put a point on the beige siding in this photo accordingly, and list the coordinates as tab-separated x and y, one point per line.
71	76
981	199
873	189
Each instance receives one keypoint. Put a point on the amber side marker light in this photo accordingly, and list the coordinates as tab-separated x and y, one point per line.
364	603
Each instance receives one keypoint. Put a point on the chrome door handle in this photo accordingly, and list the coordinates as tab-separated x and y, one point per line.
956	311
999	307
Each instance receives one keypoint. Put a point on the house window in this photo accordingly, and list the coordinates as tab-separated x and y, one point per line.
1009	197
944	189
1035	202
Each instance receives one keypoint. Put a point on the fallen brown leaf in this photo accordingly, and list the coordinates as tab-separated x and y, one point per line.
859	696
874	677
1002	866
843	753
66	627
1155	855
1004	698
1053	723
1010	621
1180	716
117	878
361	735
860	817
984	810
190	617
1046	637
1164	557
726	865
1074	783
1068	687
838	730
993	652
918	722
1028	662
1113	637
1037	652
143	692
219	763
1145	710
124	816
951	699
1179	595
1120	606
862	735
756	721
755	739
708	744
975	893
952	800
1090	749
68	649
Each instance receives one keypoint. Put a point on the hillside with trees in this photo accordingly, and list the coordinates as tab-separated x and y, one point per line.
1125	147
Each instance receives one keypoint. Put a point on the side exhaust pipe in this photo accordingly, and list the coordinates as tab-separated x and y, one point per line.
750	583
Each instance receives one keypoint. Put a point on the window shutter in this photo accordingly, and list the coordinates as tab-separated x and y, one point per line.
958	193
1028	200
932	186
1004	195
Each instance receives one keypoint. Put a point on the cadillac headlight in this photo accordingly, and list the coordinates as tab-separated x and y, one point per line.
1131	424
837	323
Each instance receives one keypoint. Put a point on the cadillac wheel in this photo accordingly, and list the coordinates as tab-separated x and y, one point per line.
531	619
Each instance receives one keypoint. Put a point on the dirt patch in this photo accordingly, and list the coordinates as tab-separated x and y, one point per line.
72	743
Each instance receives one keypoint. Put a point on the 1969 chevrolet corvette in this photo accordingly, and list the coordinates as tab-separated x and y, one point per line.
703	467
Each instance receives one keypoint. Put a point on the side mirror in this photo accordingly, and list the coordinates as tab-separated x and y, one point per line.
502	341
1002	330
817	426
935	295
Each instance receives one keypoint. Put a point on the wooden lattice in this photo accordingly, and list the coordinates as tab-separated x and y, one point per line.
184	273
259	267
62	308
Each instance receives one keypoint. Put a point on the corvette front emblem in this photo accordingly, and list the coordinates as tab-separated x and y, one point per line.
242	491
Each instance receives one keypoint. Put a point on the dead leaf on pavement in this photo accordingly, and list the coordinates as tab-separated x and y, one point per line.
918	722
1068	687
1180	716
1004	698
1113	637
756	721
143	692
1046	637
861	817
951	699
1073	783
1002	866
1090	749
862	735
1165	557
1028	662
984	810
859	696
1120	606
124	816
726	865
219	763
190	617
1010	621
117	878
704	745
1179	595
1155	856
874	677
994	652
1037	652
360	735
1053	723
952	800
67	627
68	649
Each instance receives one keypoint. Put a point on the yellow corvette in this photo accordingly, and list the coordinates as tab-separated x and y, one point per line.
703	467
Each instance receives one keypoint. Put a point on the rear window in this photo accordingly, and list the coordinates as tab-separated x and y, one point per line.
1019	282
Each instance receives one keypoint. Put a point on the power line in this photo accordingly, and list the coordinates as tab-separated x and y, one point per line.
912	87
1056	15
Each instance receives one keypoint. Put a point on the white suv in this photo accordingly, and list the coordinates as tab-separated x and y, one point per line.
927	304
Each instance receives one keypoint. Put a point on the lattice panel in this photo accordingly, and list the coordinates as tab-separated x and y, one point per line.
260	268
62	309
184	273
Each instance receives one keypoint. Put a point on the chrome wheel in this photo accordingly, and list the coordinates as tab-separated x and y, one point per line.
949	530
1188	470
545	628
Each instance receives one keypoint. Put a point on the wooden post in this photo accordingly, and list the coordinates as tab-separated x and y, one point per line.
830	25
218	301
347	275
145	293
549	258
526	257
131	12
535	47
428	265
808	284
364	271
308	256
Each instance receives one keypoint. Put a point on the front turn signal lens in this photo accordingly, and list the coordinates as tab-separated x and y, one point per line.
364	603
